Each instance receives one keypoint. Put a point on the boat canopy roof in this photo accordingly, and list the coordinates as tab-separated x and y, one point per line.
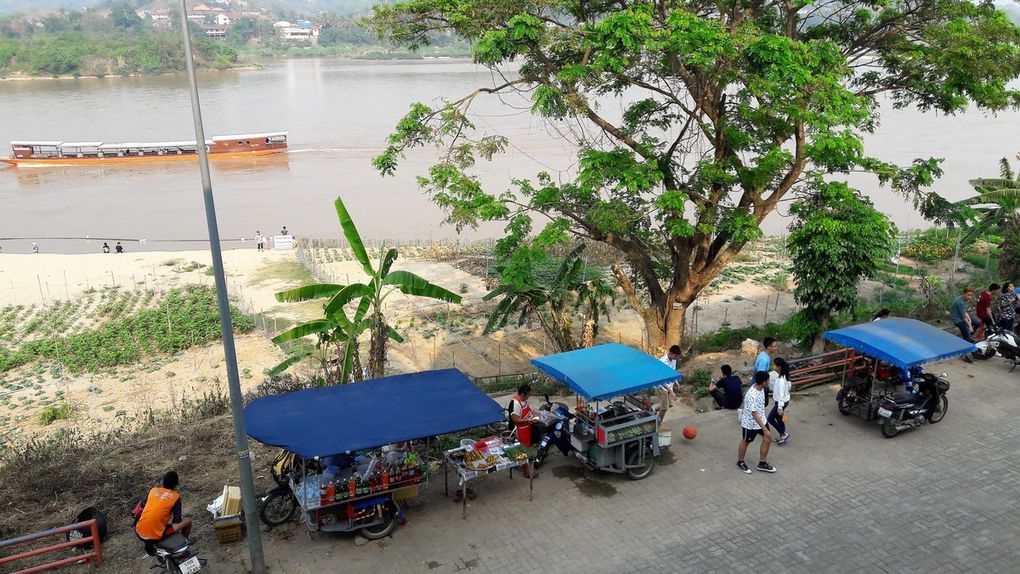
135	145
81	144
36	143
248	136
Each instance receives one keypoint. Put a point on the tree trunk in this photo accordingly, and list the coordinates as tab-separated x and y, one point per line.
664	327
377	349
823	325
356	373
588	333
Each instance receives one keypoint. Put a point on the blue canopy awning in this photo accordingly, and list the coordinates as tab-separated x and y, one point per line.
346	418
901	342
606	371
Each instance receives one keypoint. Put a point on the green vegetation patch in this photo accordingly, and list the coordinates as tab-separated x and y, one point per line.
185	317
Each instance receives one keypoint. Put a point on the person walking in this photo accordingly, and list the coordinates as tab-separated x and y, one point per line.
764	360
260	242
1007	306
665	392
960	315
754	424
780	401
730	395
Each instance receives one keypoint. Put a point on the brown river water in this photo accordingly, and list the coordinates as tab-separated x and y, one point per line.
338	114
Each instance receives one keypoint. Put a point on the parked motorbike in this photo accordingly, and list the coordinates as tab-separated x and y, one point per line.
557	433
999	341
174	555
278	505
906	410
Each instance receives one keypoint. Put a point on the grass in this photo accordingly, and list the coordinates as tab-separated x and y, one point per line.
51	414
291	271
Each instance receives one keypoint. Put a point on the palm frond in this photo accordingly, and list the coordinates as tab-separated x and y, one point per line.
308	292
353	237
411	284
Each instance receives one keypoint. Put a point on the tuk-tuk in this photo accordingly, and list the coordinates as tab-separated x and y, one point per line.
890	385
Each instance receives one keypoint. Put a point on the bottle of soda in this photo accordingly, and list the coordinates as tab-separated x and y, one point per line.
386	480
352	488
322	494
330	492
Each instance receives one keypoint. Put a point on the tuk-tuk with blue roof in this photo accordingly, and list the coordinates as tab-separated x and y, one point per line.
890	386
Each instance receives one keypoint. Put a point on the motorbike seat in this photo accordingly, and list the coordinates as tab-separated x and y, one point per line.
172	543
903	398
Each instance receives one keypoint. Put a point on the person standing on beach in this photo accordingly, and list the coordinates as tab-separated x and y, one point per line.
35	247
118	248
284	231
753	424
106	247
260	242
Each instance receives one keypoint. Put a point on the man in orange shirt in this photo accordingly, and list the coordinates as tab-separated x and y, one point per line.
161	512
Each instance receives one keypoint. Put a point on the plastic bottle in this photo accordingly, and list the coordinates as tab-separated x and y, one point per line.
352	488
386	480
331	492
322	494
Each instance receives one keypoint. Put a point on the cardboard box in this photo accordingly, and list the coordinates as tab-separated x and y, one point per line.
231	501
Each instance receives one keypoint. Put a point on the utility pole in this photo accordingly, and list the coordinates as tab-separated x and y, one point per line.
258	564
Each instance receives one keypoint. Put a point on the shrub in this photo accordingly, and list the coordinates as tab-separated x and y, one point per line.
54	413
698	381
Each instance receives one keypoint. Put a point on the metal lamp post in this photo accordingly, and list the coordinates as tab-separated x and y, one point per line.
258	564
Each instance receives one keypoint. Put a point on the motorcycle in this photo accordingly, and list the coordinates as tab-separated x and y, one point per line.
278	505
1002	342
559	415
928	404
173	555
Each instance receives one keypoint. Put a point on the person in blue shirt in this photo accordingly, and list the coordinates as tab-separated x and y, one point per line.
731	394
960	315
764	361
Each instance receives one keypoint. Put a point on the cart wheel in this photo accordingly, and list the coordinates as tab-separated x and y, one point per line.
640	472
988	353
889	428
844	406
383	529
278	508
941	406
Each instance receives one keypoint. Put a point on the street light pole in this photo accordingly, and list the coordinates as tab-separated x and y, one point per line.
258	565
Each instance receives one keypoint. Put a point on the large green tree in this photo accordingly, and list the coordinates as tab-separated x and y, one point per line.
836	240
729	106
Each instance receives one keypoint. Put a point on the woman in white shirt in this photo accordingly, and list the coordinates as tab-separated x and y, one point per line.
780	401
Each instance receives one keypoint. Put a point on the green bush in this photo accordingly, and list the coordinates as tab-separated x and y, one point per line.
930	247
698	381
51	414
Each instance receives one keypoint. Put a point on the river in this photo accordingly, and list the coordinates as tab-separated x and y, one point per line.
338	114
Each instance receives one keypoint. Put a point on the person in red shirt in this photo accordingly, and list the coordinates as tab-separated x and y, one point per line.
984	308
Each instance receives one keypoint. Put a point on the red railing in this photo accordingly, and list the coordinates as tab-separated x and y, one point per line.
821	368
94	556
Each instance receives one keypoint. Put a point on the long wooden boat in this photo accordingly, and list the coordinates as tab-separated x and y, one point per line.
32	153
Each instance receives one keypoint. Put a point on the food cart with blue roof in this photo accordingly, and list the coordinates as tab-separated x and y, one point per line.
357	418
621	436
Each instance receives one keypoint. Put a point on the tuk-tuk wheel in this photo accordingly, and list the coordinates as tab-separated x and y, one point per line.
844	406
889	428
634	458
385	528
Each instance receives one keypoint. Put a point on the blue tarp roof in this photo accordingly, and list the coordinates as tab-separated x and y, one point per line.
345	418
901	342
606	371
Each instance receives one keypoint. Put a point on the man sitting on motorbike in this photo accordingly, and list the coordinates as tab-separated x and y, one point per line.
161	512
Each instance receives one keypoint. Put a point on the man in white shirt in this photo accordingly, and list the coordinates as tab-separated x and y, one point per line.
665	392
753	423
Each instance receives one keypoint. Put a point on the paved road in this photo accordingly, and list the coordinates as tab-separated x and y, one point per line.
943	498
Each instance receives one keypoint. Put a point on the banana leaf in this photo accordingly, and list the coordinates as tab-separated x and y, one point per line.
411	284
353	237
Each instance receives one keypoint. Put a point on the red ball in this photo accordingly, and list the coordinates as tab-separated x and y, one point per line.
690	431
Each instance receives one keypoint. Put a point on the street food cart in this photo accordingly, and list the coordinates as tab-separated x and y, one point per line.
354	423
619	435
894	349
476	459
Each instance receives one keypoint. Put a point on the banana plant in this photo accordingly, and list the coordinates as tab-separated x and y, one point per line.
336	346
381	281
996	209
575	289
